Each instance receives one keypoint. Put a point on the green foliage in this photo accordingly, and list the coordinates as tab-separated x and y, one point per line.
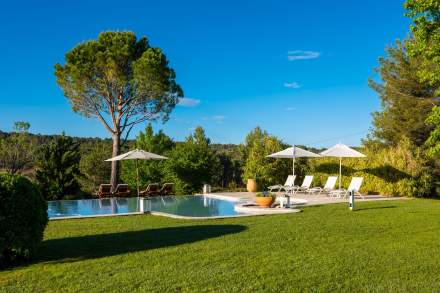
266	171
93	167
393	171
192	163
23	217
433	142
230	169
409	90
265	194
118	66
22	126
150	171
58	168
406	101
425	41
120	80
17	151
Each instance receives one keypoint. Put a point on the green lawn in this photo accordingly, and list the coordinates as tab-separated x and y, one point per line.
384	246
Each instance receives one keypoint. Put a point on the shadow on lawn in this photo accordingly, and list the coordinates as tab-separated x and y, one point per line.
102	245
375	208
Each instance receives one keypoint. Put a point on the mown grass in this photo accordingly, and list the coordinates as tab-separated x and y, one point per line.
384	246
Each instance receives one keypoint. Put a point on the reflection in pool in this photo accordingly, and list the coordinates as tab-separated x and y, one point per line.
192	206
92	207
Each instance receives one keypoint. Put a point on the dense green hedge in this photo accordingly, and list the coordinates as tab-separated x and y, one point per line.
393	171
23	218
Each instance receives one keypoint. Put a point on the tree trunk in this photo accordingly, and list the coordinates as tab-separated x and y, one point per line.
115	164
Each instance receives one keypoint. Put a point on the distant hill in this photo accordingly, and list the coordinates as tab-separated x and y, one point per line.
45	138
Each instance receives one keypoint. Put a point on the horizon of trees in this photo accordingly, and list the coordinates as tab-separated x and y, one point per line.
403	146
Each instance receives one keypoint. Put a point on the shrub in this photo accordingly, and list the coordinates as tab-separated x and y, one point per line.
192	163
23	217
58	168
266	171
150	171
93	167
392	171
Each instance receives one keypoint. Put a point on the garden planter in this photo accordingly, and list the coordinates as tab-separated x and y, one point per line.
251	185
264	202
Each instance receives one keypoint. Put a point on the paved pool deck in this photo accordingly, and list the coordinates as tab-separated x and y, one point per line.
312	199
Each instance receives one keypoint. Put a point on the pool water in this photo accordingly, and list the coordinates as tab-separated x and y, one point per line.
92	207
193	206
190	206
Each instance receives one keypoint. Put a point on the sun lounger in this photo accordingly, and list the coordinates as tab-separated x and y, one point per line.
329	186
151	190
104	190
290	181
355	185
307	182
167	189
122	190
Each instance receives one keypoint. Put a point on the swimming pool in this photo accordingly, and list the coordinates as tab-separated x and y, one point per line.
184	206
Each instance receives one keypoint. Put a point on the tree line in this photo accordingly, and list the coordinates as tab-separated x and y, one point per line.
122	81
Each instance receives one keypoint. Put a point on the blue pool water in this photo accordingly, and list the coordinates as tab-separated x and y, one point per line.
191	206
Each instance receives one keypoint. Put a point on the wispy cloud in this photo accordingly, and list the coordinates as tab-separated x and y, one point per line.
289	108
292	85
215	118
302	55
188	102
180	120
219	118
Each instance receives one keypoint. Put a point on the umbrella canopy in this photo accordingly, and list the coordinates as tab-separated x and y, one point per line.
137	155
292	153
341	151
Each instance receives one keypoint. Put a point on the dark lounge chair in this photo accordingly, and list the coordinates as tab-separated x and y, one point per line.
122	190
104	190
151	190
167	189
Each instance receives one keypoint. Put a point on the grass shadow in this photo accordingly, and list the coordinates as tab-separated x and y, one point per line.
375	208
103	245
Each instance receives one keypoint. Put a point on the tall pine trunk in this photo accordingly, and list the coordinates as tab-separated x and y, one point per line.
115	164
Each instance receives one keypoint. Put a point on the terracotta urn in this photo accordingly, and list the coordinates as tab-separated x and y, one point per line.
251	185
264	202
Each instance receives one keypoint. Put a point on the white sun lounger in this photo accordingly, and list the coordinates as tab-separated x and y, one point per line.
329	186
355	185
290	181
307	182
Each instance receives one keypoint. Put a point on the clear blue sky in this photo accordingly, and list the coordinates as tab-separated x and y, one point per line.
298	69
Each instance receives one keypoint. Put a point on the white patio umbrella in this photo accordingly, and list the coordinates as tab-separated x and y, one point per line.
292	153
137	155
341	151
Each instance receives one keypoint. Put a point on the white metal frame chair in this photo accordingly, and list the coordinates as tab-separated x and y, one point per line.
307	182
328	187
290	181
355	185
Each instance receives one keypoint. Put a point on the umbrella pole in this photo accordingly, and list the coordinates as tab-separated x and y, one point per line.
293	161
340	171
137	177
293	166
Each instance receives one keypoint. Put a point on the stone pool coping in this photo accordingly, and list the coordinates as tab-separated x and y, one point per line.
243	205
242	200
95	216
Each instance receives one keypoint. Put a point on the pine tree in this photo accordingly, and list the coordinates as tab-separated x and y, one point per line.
406	100
58	168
